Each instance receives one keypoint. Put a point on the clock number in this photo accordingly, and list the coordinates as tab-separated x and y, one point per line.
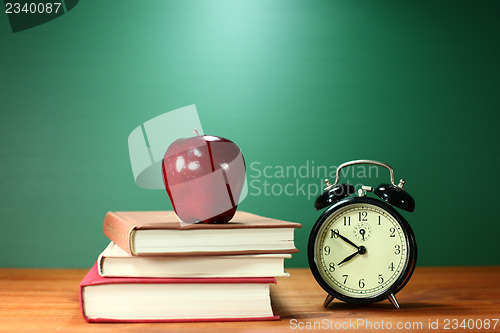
347	220
398	249
392	230
361	283
331	267
381	279
362	216
391	267
326	251
334	233
345	278
379	220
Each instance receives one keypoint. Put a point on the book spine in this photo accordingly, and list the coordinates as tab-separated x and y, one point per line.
119	231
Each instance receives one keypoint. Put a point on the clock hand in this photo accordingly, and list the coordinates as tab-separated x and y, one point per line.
361	250
362	233
348	258
347	241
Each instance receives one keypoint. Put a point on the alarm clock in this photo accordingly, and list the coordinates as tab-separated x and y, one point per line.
361	249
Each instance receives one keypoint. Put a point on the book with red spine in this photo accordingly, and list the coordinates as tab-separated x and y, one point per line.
175	299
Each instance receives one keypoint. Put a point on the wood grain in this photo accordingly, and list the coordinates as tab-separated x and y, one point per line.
47	300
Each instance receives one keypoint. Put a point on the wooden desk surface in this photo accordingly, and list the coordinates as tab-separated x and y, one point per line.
47	300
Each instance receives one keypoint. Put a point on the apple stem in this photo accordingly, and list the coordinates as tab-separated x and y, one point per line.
195	131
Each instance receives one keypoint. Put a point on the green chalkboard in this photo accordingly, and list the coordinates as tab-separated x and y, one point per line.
300	86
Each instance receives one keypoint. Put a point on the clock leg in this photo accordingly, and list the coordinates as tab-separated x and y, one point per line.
328	301
393	301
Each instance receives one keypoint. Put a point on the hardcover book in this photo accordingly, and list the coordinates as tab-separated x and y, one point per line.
115	262
174	300
162	233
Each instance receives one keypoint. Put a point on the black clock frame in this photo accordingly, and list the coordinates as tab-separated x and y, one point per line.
410	261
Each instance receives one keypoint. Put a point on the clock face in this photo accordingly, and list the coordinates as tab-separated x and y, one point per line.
361	250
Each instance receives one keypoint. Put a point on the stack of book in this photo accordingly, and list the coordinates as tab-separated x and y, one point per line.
158	269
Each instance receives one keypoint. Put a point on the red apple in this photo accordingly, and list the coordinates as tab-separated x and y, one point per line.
204	176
